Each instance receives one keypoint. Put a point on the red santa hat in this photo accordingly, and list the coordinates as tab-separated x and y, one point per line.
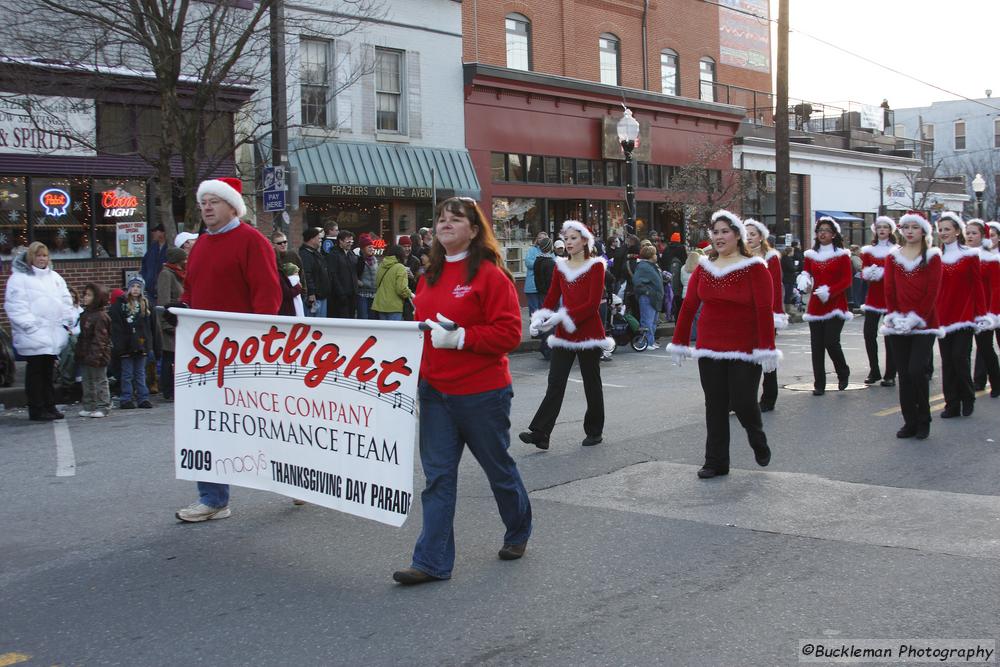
913	216
578	226
955	218
827	219
761	227
733	220
405	241
230	190
884	220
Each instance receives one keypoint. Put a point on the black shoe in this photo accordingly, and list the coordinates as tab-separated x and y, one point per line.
766	406
41	417
872	378
819	392
906	432
591	440
512	551
55	414
534	438
709	473
968	407
842	383
948	413
762	455
888	382
126	405
994	392
145	405
979	386
411	576
923	430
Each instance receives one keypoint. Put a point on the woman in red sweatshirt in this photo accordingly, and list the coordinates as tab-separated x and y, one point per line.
872	271
735	339
827	272
912	278
987	366
465	385
572	308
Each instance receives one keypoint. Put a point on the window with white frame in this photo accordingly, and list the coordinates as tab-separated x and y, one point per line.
706	69
959	135
518	29
610	55
389	91
314	75
668	72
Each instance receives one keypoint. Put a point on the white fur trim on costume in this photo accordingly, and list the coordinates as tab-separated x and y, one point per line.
567	322
681	350
572	274
589	344
909	265
958	253
847	317
993	224
986	255
884	220
754	357
880	251
825	256
826	218
225	192
873	273
541	315
872	309
955	218
780	320
761	227
733	220
771	253
709	265
956	326
578	226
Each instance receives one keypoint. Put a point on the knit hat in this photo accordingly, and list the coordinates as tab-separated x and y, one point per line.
913	216
176	256
405	241
955	218
135	280
183	238
364	240
884	220
761	227
230	190
578	226
733	221
559	243
675	237
545	245
830	221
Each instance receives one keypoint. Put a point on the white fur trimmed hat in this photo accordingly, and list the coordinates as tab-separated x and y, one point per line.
229	190
955	218
761	227
827	219
913	216
993	224
733	220
578	226
884	220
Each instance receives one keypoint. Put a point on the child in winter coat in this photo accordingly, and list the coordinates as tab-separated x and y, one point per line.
132	334
93	351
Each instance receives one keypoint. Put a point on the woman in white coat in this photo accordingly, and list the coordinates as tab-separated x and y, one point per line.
41	314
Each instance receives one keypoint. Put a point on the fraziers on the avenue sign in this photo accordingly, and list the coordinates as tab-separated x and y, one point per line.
320	410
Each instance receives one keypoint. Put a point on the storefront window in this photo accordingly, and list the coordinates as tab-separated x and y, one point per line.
582	172
120	227
360	216
61	215
597	169
515	167
13	216
534	169
551	170
616	218
566	170
516	223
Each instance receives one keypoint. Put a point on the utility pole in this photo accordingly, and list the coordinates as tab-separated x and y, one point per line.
279	103
782	159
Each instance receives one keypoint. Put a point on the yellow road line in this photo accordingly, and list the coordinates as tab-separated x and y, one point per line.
13	658
933	400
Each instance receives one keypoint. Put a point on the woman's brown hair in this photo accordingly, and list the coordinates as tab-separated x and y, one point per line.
483	247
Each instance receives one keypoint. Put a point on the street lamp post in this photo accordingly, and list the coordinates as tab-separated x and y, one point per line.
628	136
979	186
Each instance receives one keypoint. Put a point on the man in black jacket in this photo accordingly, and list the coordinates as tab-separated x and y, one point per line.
316	272
343	265
545	264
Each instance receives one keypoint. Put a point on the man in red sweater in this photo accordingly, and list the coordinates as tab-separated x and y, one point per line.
232	268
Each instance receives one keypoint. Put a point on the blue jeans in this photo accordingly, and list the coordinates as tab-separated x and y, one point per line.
449	423
365	311
534	301
320	311
393	317
647	317
134	372
213	494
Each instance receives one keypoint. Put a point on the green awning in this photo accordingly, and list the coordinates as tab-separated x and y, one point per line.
358	169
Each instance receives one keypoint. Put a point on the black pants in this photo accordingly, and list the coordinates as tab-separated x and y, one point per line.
824	338
956	371
769	395
911	355
38	384
871	346
559	368
729	384
987	365
167	374
343	306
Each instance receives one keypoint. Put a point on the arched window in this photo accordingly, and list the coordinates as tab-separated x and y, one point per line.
518	42
707	77
669	81
610	59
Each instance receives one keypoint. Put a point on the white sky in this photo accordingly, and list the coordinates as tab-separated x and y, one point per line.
951	44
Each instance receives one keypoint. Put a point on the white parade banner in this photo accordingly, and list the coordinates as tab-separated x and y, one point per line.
323	410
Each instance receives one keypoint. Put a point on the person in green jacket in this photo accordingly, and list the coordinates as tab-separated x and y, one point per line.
391	285
648	284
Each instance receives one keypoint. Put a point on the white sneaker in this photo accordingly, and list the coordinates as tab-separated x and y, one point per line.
201	512
85	413
97	414
654	346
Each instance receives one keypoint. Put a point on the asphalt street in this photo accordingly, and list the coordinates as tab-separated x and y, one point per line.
849	533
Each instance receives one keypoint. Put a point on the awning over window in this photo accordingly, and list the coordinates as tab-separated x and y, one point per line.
839	216
334	168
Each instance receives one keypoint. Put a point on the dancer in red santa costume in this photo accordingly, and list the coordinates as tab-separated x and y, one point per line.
827	272
962	312
735	339
912	281
578	285
757	233
993	307
987	366
872	271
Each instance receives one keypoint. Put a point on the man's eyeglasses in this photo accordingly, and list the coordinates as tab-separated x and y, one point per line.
281	242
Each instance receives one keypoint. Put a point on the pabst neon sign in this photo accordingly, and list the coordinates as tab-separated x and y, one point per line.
118	203
54	201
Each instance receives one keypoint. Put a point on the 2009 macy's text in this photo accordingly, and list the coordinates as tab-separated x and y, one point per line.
196	459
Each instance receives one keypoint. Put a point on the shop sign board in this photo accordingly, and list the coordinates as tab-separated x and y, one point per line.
47	125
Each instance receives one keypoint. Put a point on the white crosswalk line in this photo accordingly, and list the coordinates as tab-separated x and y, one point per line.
65	459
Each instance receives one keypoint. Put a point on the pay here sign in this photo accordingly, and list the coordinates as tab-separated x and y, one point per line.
321	410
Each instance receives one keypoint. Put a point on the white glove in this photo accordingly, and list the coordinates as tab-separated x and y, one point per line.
769	364
443	339
550	321
804	282
984	323
678	359
822	293
533	330
904	324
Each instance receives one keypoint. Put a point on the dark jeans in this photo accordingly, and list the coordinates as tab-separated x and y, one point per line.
448	424
167	374
729	384
987	365
871	346
769	395
559	368
344	306
38	384
911	355
956	368
824	338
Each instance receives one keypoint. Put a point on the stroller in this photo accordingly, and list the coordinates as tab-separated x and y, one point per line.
623	328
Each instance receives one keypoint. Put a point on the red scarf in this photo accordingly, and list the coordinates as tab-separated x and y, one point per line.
178	271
